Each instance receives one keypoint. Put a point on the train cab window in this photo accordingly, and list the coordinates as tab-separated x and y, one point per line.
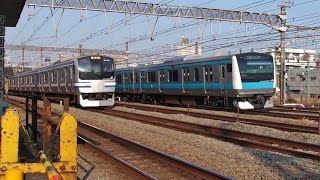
196	74
161	75
186	75
173	75
118	78
229	67
151	76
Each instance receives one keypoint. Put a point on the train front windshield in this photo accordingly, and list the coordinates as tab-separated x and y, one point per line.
95	67
255	68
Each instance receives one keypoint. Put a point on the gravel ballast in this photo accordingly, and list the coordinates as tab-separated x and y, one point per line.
226	158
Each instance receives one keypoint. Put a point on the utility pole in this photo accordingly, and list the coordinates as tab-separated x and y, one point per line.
80	50
126	52
41	55
197	48
22	59
282	29
308	76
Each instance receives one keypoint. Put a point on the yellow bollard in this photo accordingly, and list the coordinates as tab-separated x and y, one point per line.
14	174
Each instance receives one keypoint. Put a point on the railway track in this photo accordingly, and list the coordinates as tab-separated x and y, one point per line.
294	148
147	163
140	161
277	125
284	114
274	112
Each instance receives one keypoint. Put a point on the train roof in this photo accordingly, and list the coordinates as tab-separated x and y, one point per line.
186	59
58	63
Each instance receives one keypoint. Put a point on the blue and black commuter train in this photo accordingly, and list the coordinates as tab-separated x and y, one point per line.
245	80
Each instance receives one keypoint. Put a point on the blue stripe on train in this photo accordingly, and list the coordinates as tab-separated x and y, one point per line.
246	85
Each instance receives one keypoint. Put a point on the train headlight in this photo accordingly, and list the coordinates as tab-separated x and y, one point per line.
95	57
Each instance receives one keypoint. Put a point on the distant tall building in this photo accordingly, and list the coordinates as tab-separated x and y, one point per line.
185	48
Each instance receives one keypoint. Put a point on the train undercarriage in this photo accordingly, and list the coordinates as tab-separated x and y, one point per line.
258	101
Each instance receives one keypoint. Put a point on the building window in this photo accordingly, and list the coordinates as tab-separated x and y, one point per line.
293	78
313	78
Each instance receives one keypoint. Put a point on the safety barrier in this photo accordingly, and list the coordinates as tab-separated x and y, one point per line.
10	168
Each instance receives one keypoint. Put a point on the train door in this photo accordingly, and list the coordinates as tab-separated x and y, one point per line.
209	80
68	79
125	82
136	84
222	81
161	80
142	81
133	80
186	86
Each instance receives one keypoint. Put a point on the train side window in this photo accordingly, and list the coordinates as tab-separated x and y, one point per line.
39	78
173	75
68	74
62	75
196	74
136	77
46	77
229	67
32	79
129	78
72	72
53	76
222	71
118	78
151	76
27	79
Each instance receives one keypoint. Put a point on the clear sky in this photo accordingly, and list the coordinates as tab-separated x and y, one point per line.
69	28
